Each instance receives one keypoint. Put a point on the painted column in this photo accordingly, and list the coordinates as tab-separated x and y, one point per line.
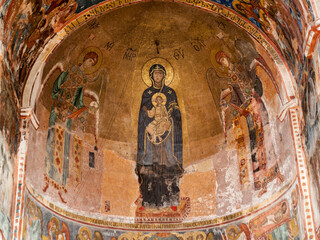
302	175
311	47
26	115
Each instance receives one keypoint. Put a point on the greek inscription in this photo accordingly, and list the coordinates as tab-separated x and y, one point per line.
92	12
130	54
109	46
214	8
242	23
103	8
198	44
178	53
220	10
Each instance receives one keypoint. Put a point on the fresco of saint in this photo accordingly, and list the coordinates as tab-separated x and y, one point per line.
85	233
159	159
33	222
240	98
69	92
57	233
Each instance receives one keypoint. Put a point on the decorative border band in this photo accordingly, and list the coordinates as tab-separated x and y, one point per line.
302	175
90	220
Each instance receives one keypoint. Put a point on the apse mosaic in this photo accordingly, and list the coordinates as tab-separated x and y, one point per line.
167	126
171	120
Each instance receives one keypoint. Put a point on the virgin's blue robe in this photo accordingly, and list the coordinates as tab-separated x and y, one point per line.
159	164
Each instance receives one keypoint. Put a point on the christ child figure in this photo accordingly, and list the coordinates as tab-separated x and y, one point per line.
160	114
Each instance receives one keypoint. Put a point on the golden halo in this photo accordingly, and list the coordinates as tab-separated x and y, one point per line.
188	235
210	236
31	209
196	234
32	205
235	228
146	236
153	99
146	67
56	221
125	236
82	229
180	236
221	70
97	65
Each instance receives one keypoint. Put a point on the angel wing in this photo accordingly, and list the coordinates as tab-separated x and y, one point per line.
222	235
218	93
259	61
65	230
252	59
244	228
212	78
247	51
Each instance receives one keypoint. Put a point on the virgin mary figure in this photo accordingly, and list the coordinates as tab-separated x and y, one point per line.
159	159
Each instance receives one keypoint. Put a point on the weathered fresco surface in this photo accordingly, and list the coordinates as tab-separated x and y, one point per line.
29	25
202	140
9	129
279	221
75	96
236	152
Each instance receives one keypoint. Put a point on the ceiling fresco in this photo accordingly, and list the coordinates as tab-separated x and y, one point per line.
158	119
29	26
171	115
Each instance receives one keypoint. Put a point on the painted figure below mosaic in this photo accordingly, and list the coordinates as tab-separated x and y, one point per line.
280	220
33	222
234	232
277	222
86	234
57	233
159	160
74	106
240	100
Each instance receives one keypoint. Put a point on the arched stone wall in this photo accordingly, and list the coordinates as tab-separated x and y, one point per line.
297	89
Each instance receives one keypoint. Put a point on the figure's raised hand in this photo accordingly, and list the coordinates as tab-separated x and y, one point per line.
145	108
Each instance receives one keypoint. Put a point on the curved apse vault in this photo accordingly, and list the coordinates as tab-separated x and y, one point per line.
221	99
